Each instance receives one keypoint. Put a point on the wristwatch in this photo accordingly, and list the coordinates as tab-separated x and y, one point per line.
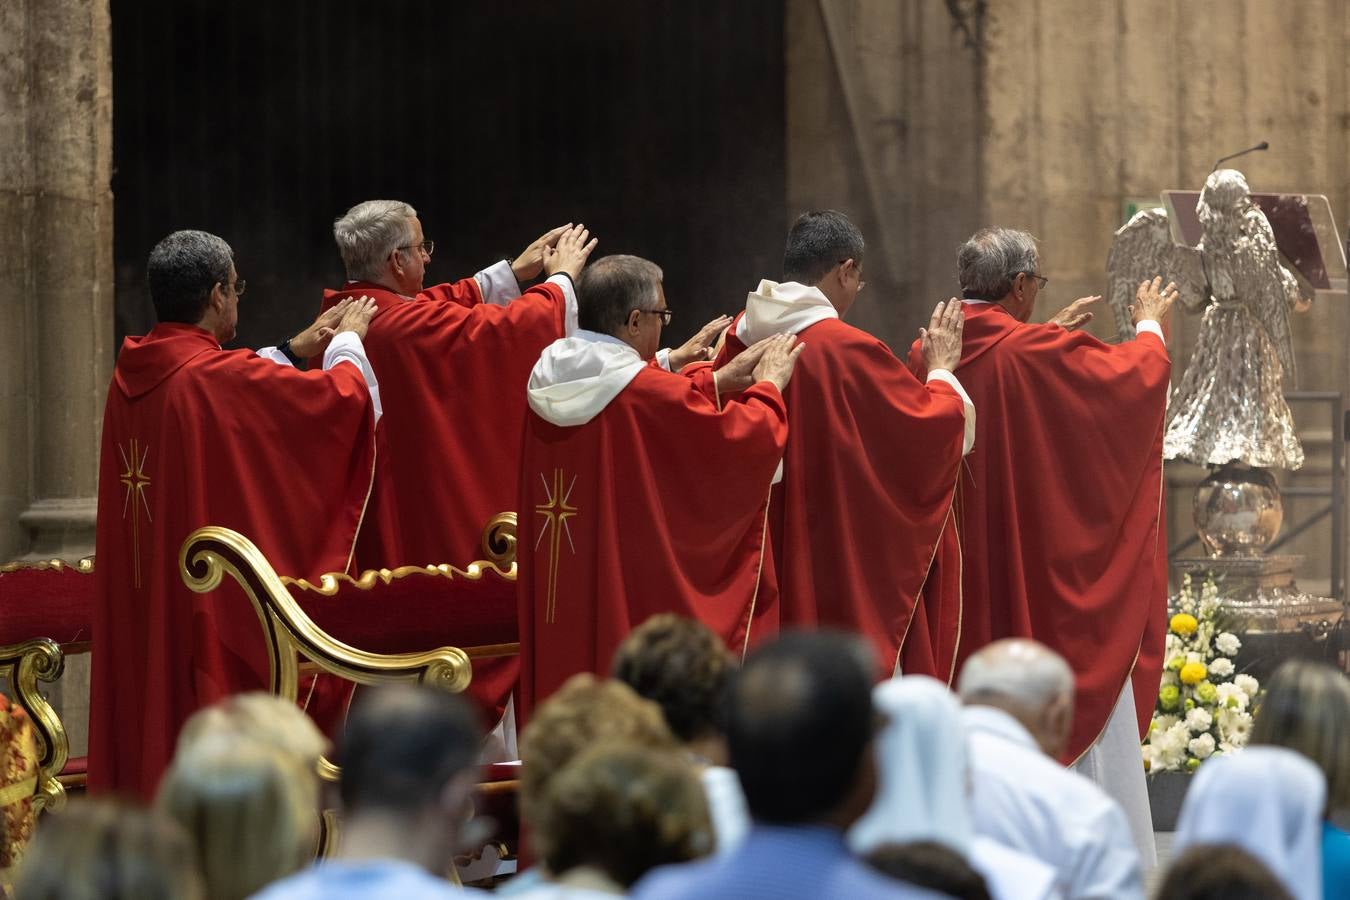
285	348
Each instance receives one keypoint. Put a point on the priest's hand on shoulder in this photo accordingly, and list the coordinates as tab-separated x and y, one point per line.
780	355
739	373
530	262
571	251
357	317
314	339
941	340
699	348
1152	303
1076	314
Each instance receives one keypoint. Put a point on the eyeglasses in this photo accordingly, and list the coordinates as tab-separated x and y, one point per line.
1040	279
427	247
665	314
238	286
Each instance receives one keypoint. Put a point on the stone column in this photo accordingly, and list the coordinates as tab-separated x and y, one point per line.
56	274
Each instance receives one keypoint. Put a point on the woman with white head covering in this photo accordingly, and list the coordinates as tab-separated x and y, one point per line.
1268	801
923	789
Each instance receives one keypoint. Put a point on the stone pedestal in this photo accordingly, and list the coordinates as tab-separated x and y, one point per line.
1262	604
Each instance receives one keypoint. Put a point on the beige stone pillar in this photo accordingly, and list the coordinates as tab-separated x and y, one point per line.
56	277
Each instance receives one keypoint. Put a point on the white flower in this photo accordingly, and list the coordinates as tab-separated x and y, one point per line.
1228	644
1162	723
1248	684
1232	697
1172	646
1222	667
1235	727
1169	677
1193	657
1201	747
1199	719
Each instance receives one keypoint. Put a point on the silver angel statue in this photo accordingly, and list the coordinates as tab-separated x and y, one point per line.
1230	406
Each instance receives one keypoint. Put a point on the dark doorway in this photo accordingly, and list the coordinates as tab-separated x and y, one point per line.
659	123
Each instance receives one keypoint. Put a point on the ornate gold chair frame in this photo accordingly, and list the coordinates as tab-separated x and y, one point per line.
211	552
23	665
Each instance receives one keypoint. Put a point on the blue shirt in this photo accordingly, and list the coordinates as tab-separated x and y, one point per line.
778	862
374	879
1335	863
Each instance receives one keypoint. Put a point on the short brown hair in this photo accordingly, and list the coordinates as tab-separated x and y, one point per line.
624	809
1306	708
583	712
682	666
1220	872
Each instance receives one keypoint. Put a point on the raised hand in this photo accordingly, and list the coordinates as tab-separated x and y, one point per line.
1076	314
570	253
1152	303
700	346
356	318
780	355
941	340
530	262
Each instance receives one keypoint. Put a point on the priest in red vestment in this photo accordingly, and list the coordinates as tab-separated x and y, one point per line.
642	490
194	435
865	503
1061	513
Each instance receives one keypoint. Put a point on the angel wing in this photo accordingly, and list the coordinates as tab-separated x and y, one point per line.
1143	248
1268	287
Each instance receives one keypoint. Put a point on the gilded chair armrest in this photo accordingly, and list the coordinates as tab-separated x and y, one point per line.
23	666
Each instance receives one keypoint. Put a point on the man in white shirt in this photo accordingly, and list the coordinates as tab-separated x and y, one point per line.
1018	696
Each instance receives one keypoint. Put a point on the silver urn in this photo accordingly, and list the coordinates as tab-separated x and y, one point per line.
1238	510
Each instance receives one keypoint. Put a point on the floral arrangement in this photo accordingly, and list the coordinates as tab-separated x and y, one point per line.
1204	706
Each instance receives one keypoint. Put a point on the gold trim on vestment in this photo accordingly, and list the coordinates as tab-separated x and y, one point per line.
759	574
918	595
84	566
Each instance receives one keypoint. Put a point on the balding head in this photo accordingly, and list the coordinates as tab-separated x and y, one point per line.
1027	680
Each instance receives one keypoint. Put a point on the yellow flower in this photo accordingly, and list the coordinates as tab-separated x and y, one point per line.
1193	673
1184	623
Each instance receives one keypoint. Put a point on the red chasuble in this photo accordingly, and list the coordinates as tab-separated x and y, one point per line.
1061	506
194	435
452	373
655	504
865	504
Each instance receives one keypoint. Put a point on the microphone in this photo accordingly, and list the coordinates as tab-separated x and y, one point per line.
1264	145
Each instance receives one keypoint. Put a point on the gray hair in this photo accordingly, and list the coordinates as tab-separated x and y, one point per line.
612	287
369	232
182	270
987	263
1025	672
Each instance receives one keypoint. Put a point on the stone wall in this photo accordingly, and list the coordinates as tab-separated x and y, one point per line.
1050	116
55	270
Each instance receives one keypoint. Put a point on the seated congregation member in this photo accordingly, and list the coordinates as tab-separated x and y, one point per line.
1306	708
1267	801
642	490
614	813
1019	708
104	850
799	734
924	788
1062	531
583	713
408	759
194	435
1222	872
251	815
683	667
929	864
865	503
